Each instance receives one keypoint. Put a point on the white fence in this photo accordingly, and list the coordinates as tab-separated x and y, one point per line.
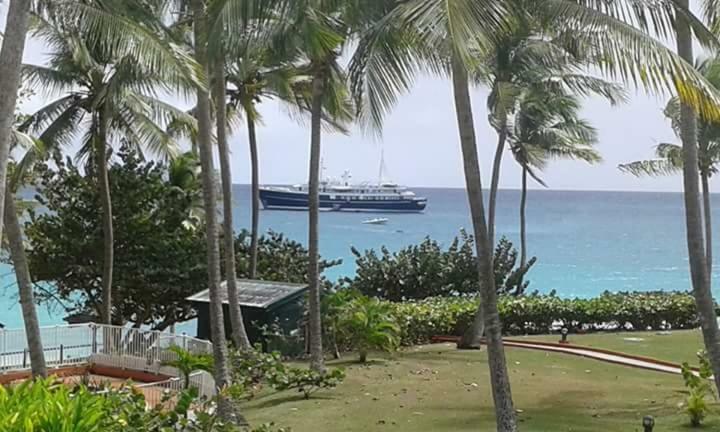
115	346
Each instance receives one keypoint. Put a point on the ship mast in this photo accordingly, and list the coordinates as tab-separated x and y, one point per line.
382	166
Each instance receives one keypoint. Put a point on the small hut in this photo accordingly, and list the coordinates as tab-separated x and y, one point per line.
261	302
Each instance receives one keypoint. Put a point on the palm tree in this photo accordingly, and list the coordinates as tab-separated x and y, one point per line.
698	259
187	362
604	30
13	46
255	76
219	83
19	173
204	145
669	157
547	126
115	90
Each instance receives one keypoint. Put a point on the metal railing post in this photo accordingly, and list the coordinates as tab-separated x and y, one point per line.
93	330
3	350
184	341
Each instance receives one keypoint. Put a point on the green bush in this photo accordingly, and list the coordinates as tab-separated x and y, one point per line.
420	320
368	324
699	388
427	270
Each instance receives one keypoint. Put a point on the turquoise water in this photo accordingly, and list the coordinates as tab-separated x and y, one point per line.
586	242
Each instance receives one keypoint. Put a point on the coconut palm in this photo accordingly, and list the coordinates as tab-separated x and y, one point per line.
13	46
219	88
19	173
204	145
107	93
547	126
254	77
458	30
669	157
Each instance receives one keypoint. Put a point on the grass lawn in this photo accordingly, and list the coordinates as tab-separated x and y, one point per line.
437	388
678	346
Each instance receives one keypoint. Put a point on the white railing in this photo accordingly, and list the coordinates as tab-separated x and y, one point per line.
106	345
155	392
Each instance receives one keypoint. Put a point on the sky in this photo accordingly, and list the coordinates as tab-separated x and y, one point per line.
421	146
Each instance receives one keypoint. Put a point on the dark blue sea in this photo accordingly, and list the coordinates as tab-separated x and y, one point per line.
585	242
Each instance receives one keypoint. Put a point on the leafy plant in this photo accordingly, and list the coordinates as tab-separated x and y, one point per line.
368	324
427	270
187	362
699	388
251	368
306	381
420	320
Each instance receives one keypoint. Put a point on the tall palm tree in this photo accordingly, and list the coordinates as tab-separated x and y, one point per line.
11	53
219	85
697	254
253	77
669	157
204	144
604	30
107	93
547	126
18	174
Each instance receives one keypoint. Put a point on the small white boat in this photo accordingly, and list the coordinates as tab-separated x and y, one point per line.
376	221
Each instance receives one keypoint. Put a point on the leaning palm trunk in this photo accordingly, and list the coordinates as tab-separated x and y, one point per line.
254	196
221	368
25	288
523	222
317	362
499	379
103	180
472	338
523	219
495	183
707	219
693	215
13	46
239	335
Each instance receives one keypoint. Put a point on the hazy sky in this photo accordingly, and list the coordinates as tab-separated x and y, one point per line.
421	146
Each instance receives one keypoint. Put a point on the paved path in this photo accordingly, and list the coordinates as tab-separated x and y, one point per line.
601	355
587	352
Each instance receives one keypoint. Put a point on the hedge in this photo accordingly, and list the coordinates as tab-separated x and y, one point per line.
421	320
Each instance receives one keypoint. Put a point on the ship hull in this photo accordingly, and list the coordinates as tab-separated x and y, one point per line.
290	200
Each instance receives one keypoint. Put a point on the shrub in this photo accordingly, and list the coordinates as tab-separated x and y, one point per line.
420	320
699	388
187	362
306	381
368	324
426	270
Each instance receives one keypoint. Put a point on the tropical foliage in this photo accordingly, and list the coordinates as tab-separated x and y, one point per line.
699	389
367	324
429	270
420	320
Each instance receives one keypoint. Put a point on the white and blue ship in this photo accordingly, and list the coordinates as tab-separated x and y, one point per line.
341	195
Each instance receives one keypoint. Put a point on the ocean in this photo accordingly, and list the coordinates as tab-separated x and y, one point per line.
585	242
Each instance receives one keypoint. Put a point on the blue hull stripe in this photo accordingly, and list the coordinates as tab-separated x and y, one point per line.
290	200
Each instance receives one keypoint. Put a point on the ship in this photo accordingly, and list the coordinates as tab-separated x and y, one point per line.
342	195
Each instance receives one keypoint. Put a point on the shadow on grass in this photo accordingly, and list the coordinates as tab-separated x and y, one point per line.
351	361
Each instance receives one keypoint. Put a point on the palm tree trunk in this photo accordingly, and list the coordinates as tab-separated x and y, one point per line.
707	211
317	361
499	379
472	338
25	288
254	196
239	335
221	369
523	221
495	182
101	167
13	46
693	214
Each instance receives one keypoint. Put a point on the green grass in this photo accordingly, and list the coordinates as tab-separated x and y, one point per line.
678	346
437	388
